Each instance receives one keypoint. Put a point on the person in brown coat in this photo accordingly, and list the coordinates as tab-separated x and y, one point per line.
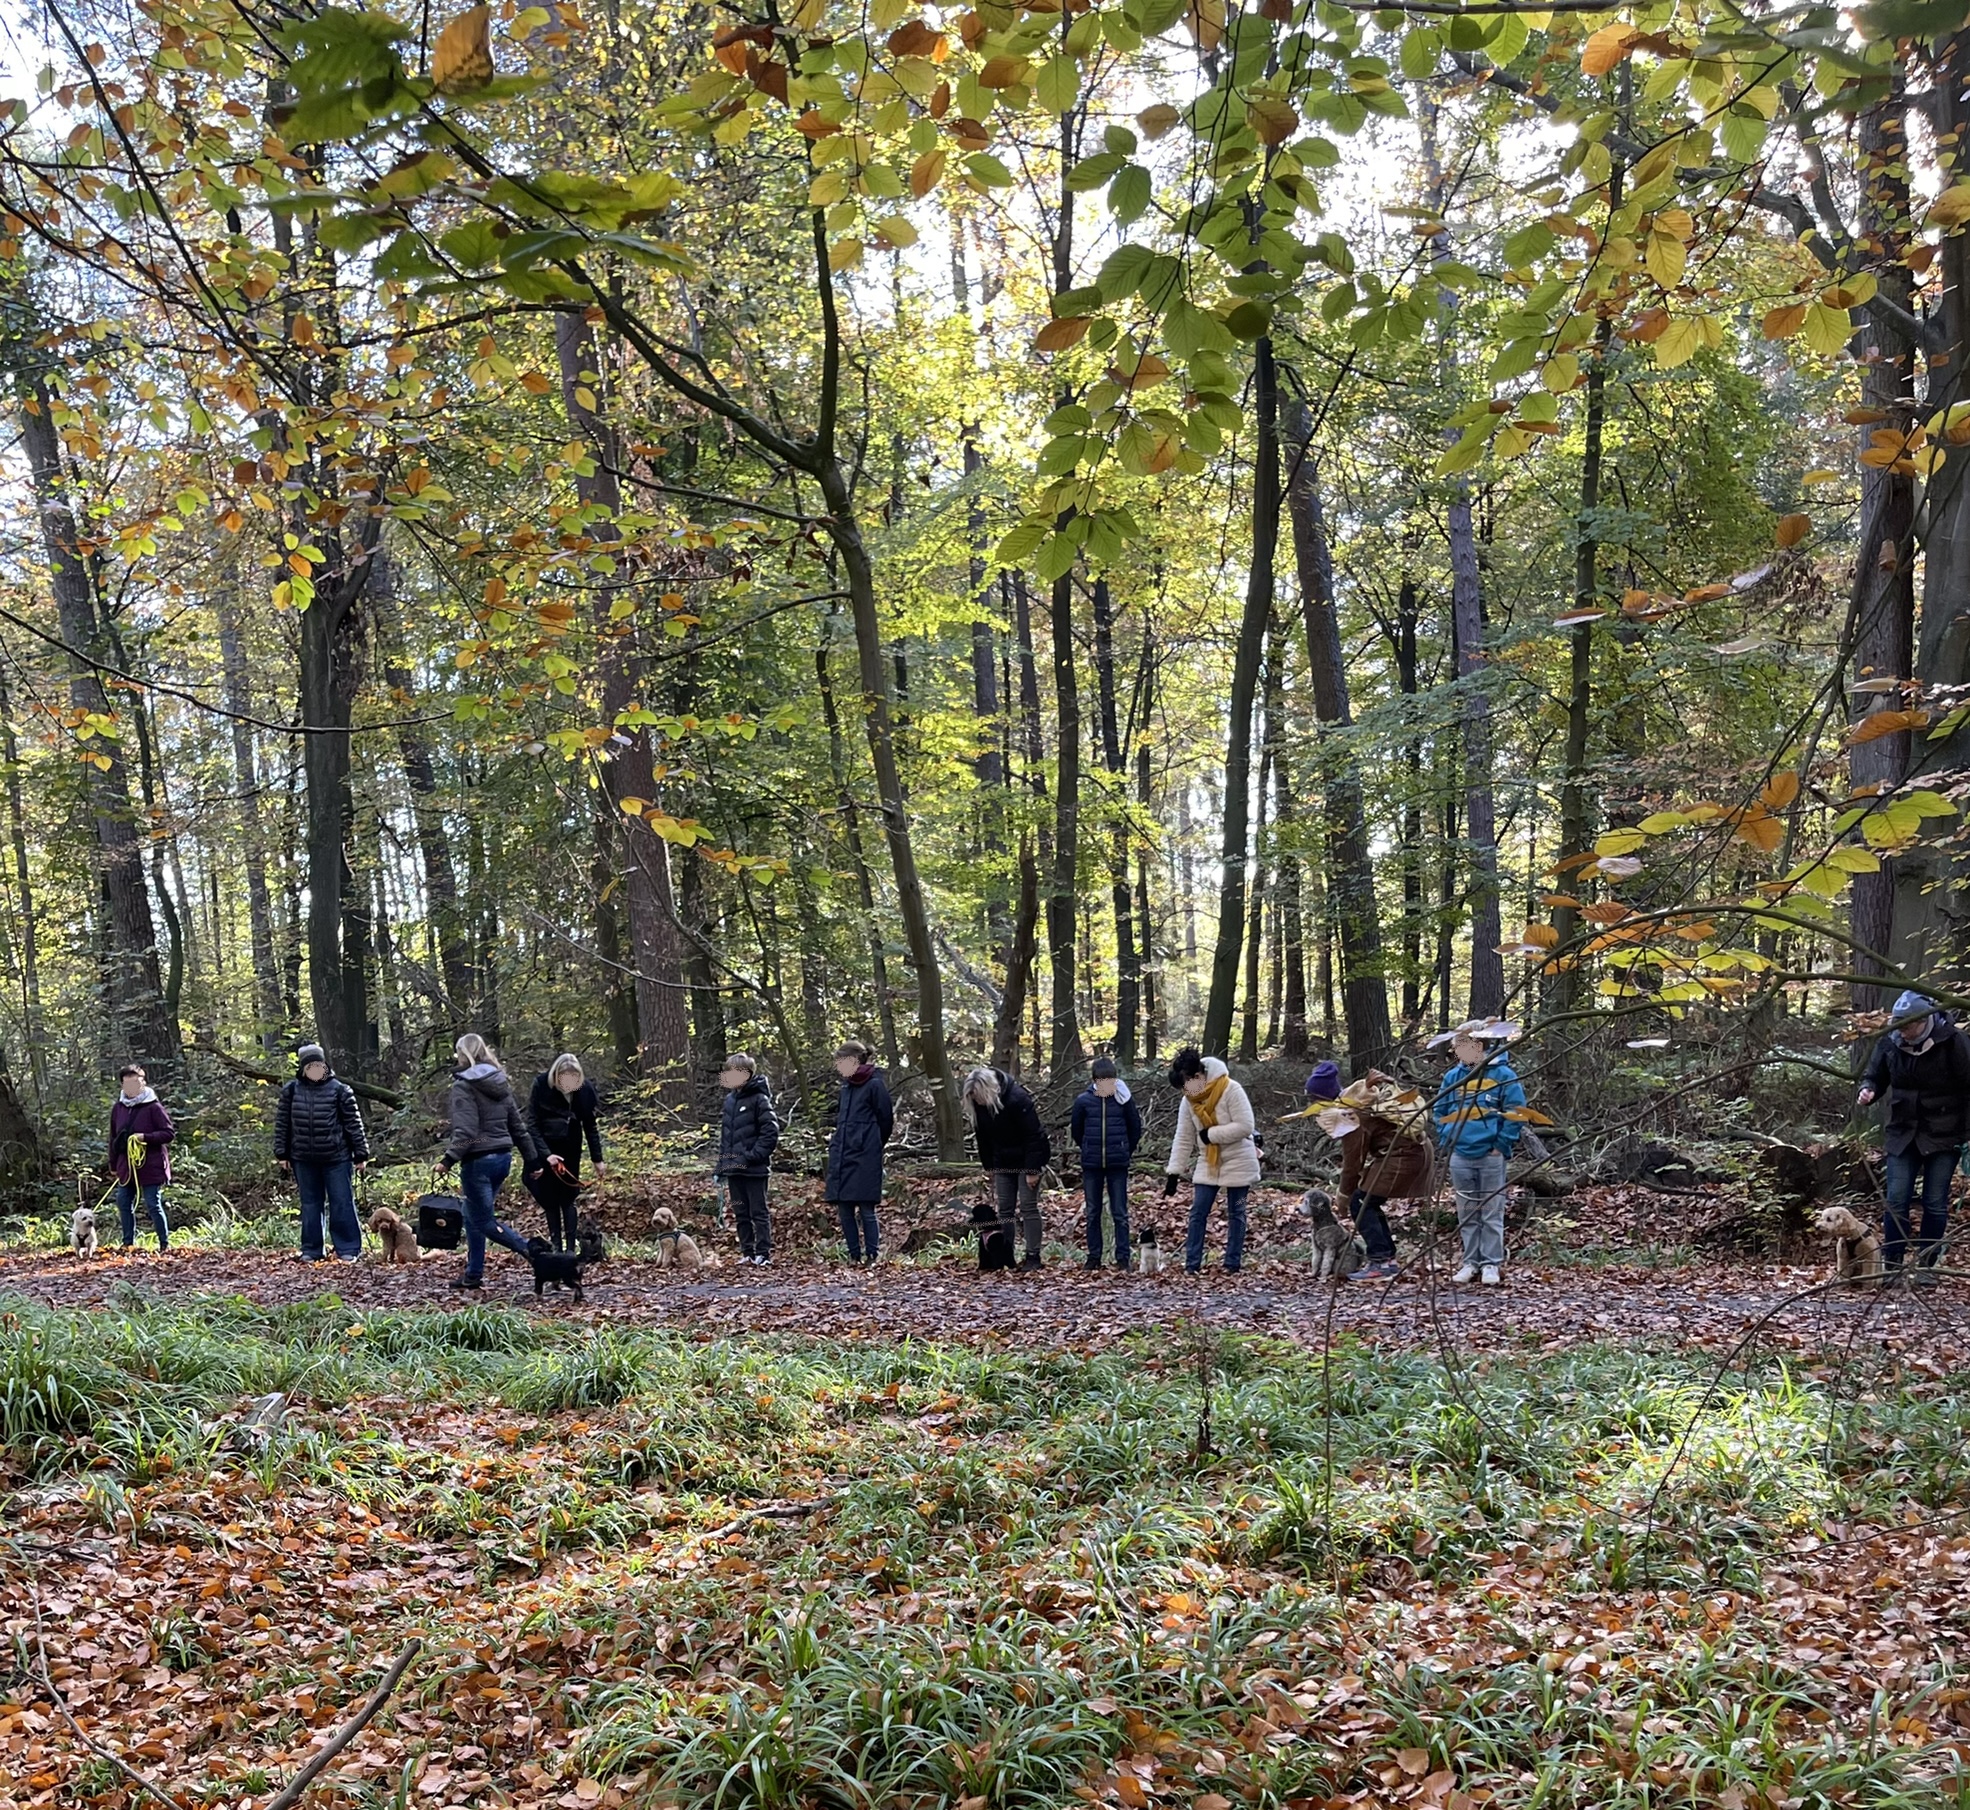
1379	1162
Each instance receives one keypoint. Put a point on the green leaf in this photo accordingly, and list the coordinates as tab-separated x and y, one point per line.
1056	558
1528	244
1828	329
1058	85
983	167
1121	271
1421	48
1091	172
1019	544
1742	136
1128	195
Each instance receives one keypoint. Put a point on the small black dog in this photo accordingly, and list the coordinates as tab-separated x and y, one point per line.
561	1268
588	1238
994	1241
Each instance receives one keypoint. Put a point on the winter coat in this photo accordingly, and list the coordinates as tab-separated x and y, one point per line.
1107	1130
148	1120
748	1130
864	1118
319	1122
1927	1091
1378	1160
560	1121
1232	1138
1470	1108
485	1118
1013	1137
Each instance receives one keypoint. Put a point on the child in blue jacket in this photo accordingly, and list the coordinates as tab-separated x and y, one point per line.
1474	1129
1107	1125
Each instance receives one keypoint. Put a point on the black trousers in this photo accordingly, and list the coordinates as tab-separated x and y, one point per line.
559	1204
749	1215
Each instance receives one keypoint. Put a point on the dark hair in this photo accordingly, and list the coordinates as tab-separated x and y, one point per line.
1188	1061
1105	1069
856	1052
128	1069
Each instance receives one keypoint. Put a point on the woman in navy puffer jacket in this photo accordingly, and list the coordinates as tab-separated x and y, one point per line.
1107	1125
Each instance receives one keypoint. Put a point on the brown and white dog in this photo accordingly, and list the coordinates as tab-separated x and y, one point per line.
399	1241
1856	1247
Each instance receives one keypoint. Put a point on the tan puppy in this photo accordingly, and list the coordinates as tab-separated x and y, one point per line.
399	1241
676	1248
1856	1249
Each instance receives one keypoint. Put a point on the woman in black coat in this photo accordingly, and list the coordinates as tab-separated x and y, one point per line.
748	1134
864	1118
1923	1066
561	1107
1013	1146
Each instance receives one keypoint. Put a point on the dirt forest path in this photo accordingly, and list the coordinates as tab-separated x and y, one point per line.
1713	1308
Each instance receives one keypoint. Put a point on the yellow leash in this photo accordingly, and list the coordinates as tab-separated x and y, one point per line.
134	1151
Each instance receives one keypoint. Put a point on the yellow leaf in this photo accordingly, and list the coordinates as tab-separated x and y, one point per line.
1607	48
1561	372
1792	529
1206	22
1666	259
1819	475
635	807
1951	208
461	61
844	254
1155	122
808	13
1678	343
896	232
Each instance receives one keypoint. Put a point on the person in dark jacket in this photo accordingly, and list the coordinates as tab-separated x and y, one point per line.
319	1140
139	1127
748	1134
864	1118
1383	1158
1923	1066
562	1107
486	1128
1107	1124
1013	1146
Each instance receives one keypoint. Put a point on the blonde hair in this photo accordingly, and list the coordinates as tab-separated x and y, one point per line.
565	1063
472	1049
981	1093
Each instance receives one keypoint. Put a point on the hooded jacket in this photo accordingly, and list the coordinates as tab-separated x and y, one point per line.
485	1118
1231	1136
561	1121
147	1119
1013	1137
319	1122
1107	1130
1471	1105
1927	1089
748	1129
1377	1159
864	1118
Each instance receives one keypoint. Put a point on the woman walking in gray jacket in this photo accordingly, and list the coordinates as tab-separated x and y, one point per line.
486	1128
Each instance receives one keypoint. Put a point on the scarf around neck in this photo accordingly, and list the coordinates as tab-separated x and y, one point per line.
143	1099
1204	1109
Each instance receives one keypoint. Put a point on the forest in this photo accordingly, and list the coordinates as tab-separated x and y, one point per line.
1007	534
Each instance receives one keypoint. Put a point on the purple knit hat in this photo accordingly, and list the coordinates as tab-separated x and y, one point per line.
1324	1083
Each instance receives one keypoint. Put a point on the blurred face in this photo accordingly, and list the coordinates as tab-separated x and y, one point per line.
728	1076
1916	1029
1468	1051
569	1081
1195	1085
316	1071
846	1066
1105	1087
133	1085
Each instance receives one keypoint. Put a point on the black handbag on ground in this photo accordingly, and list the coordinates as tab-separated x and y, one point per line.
440	1222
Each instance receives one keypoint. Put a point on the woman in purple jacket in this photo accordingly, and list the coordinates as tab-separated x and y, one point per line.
139	1114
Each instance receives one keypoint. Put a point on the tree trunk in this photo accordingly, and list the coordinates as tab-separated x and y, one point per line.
1884	564
246	776
1128	968
1259	593
1023	949
1248	1035
1145	798
1063	882
132	982
1408	682
1291	966
30	938
1350	864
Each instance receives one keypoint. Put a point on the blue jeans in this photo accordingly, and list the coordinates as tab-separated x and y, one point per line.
1202	1196
1479	1182
1373	1225
328	1190
861	1231
1114	1183
479	1181
126	1205
1903	1172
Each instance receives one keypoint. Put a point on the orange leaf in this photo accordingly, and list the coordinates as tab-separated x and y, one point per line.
1149	370
1607	48
1792	529
1543	936
812	125
925	172
1057	336
1873	727
915	39
1003	72
461	60
1779	791
1782	323
1864	417
1759	828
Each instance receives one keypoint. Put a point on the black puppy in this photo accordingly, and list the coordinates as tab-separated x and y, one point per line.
562	1268
994	1241
588	1240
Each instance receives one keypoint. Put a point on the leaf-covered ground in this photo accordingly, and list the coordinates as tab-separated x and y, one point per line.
930	1538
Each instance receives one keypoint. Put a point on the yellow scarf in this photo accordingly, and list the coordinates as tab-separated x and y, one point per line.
1204	1109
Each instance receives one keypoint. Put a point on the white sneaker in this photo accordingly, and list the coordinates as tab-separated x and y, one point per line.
1466	1273
1491	1275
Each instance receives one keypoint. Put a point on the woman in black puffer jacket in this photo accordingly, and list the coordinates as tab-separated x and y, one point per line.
562	1108
319	1140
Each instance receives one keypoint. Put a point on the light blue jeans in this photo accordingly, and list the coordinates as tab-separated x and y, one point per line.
1479	1182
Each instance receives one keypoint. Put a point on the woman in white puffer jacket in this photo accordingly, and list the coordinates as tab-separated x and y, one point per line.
1216	1144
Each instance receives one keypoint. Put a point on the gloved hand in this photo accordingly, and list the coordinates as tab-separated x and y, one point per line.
1170	1185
